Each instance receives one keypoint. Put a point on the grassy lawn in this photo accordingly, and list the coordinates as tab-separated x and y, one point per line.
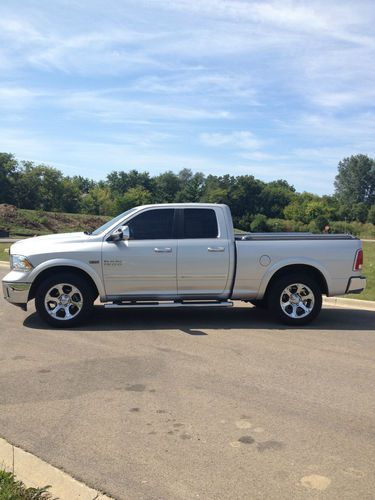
4	256
25	223
11	489
368	271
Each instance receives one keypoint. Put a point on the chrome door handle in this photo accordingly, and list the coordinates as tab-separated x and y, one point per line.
163	250
216	249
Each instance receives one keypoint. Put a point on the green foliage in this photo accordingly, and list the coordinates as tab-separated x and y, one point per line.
133	197
11	489
272	206
259	224
371	215
98	201
355	181
8	171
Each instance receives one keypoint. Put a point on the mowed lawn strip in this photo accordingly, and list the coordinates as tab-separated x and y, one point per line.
4	248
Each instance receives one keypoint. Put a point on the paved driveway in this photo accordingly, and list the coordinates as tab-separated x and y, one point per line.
196	404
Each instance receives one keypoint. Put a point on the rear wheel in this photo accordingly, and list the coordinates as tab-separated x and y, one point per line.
295	299
64	300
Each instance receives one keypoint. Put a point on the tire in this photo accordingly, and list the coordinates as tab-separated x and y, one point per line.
295	299
64	300
261	303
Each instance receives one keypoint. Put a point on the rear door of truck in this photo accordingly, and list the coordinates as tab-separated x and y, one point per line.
203	253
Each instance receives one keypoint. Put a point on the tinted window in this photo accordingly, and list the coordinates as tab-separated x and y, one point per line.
200	223
152	225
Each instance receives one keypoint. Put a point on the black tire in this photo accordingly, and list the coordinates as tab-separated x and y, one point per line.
261	303
78	307
284	290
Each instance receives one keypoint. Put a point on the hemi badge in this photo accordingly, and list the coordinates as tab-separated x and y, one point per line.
93	262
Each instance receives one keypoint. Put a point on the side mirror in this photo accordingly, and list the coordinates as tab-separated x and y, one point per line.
125	233
122	233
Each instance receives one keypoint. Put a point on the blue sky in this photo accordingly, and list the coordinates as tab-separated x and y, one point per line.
274	89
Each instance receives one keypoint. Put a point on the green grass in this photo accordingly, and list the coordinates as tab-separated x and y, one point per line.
11	489
25	223
368	271
4	256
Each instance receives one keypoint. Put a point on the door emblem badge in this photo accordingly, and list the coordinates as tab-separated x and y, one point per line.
112	263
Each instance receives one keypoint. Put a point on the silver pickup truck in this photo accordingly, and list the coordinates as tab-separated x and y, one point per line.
181	255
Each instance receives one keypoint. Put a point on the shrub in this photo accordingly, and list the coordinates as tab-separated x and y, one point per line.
259	223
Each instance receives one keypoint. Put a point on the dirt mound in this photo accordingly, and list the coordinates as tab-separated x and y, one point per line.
7	211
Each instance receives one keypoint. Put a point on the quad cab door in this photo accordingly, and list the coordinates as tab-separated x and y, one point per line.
203	259
145	265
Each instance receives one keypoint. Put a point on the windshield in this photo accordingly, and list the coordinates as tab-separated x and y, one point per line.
111	222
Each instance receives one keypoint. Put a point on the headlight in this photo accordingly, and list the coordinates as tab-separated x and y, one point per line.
20	263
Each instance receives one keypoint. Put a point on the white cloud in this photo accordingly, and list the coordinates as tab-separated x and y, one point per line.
114	109
243	139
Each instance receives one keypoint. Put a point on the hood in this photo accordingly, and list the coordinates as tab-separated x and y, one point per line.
43	244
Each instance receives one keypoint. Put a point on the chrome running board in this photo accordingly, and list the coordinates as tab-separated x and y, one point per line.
148	304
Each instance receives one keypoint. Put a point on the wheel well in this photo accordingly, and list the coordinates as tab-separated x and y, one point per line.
58	269
312	271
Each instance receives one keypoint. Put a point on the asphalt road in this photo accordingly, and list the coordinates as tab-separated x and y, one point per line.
211	404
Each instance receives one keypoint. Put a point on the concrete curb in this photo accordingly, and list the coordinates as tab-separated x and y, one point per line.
367	305
36	473
3	263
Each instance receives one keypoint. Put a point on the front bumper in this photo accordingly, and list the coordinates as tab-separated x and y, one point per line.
356	284
16	293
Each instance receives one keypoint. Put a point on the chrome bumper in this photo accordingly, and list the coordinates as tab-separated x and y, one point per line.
356	284
16	293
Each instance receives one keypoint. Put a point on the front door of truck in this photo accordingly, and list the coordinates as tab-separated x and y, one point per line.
144	265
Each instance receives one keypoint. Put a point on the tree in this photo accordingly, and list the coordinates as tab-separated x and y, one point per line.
192	186
360	212
275	196
355	181
371	215
259	223
166	187
132	198
8	170
120	182
98	201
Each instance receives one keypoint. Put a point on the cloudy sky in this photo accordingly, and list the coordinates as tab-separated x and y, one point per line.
281	89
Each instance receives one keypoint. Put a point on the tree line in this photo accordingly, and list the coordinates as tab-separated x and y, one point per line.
255	205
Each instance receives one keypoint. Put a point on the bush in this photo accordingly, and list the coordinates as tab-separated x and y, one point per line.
259	223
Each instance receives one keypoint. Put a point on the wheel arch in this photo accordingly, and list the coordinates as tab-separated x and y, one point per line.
52	270
314	272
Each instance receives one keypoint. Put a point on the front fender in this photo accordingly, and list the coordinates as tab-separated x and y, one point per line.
292	262
77	264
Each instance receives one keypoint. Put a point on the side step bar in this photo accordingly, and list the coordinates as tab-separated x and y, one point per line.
145	305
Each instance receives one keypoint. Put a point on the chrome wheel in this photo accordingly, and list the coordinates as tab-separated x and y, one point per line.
297	300
63	301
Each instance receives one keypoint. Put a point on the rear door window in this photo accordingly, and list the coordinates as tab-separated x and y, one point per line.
200	223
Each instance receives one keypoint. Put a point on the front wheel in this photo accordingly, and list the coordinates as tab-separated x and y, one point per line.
295	299
64	300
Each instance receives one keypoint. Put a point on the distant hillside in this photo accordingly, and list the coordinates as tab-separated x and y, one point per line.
22	222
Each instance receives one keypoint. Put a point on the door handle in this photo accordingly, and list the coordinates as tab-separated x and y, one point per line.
163	250
216	249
